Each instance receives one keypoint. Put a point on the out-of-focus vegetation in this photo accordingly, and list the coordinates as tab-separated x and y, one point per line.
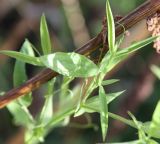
71	24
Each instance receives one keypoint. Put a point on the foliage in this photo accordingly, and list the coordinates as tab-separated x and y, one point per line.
71	66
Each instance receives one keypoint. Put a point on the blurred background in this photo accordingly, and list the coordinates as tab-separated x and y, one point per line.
71	24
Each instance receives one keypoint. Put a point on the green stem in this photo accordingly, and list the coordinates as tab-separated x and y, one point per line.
114	116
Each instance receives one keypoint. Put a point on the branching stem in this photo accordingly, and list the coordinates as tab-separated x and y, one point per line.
145	10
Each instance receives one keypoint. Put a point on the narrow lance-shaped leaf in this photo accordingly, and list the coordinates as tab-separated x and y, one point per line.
107	63
108	82
19	75
18	108
111	28
57	119
120	40
156	70
47	110
141	133
45	38
134	47
65	93
21	114
22	57
94	103
103	112
70	64
130	142
155	124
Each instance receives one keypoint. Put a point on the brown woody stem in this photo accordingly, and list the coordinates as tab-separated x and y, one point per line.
145	10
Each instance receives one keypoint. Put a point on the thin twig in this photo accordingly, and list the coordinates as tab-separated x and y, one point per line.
134	17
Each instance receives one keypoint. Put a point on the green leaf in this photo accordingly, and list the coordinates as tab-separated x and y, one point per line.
58	118
146	127
103	112
142	129
111	28
106	63
19	74
18	108
155	124
150	141
45	38
94	101
108	82
70	64
47	110
156	70
134	47
109	62
21	115
121	38
129	142
35	135
139	125
112	115
92	104
22	57
66	95
122	119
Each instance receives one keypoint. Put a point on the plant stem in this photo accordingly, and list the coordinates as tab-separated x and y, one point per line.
145	10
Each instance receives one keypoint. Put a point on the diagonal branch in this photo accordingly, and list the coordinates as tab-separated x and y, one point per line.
145	10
